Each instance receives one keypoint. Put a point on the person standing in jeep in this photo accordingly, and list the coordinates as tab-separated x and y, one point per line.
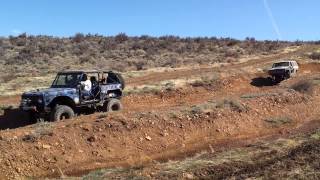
87	85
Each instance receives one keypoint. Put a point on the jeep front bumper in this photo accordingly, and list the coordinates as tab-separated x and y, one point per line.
29	108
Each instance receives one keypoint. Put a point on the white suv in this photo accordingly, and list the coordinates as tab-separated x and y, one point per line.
283	70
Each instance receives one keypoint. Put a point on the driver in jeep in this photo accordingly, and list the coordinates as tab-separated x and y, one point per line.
87	85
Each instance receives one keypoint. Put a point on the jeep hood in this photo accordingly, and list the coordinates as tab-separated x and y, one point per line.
51	91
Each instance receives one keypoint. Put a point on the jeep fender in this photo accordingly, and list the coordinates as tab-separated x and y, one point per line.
62	100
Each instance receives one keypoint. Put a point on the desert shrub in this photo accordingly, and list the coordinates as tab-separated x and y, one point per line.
139	65
41	129
120	38
108	44
77	38
81	48
8	77
3	108
170	86
102	116
27	54
304	86
2	51
86	59
20	40
231	53
43	52
315	56
206	81
204	108
278	121
234	105
257	95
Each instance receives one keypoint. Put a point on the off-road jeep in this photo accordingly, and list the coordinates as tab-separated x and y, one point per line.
283	70
65	97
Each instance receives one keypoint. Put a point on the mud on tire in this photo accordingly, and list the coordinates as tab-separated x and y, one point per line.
112	105
62	112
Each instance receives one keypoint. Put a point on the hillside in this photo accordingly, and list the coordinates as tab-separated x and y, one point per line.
27	55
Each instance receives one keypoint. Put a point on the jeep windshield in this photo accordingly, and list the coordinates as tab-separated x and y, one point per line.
280	64
69	80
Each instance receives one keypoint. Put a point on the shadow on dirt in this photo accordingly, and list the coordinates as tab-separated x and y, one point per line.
14	118
262	81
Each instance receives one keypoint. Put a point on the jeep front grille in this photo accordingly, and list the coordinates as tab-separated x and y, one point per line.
31	100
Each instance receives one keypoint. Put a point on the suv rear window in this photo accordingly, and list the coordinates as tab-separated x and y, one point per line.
279	64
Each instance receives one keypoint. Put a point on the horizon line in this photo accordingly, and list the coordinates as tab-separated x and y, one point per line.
152	36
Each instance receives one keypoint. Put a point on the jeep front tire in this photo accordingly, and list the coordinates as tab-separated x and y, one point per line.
62	112
112	105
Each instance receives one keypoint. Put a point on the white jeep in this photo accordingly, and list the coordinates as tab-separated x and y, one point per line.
283	70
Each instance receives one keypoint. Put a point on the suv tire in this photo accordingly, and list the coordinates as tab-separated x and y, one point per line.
62	112
288	75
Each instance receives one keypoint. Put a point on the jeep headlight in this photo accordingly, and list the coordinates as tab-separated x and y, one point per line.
76	100
24	101
40	101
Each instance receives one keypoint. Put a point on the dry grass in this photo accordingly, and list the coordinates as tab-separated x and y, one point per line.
3	108
206	81
304	86
233	104
257	95
315	55
25	83
40	129
278	121
167	85
213	105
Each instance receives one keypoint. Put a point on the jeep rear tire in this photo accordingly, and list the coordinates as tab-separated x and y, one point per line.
112	105
62	112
